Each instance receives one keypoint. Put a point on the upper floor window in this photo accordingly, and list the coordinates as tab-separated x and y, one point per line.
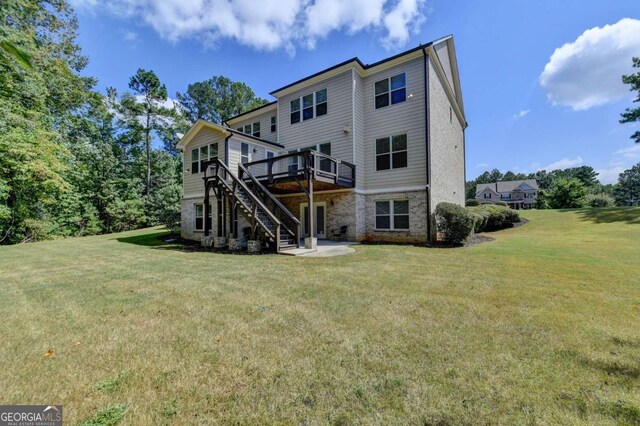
273	124
392	214
244	152
391	91
202	154
252	129
391	152
312	105
487	195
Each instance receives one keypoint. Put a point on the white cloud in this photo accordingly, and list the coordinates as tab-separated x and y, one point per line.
521	114
268	24
565	163
482	165
631	153
129	35
609	175
588	71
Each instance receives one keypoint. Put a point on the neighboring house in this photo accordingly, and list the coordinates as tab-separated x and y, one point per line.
372	148
518	194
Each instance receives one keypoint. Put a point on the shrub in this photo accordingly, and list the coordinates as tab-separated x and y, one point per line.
486	202
454	222
600	200
472	202
567	194
493	217
501	203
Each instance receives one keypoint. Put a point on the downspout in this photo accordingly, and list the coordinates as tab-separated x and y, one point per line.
226	149
427	141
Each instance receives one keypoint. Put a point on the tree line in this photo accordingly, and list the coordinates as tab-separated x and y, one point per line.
74	161
572	187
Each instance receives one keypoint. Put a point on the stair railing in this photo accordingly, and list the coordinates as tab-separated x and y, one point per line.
293	227
233	184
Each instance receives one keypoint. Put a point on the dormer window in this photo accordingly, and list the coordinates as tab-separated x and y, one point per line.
391	91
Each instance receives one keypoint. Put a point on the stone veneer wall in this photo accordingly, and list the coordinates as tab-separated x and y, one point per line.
187	222
357	211
343	211
417	232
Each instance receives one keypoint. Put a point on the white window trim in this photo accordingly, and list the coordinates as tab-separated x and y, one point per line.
200	159
248	152
273	124
389	91
392	215
314	94
390	153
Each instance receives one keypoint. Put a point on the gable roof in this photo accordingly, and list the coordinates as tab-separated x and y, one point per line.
506	185
227	131
254	111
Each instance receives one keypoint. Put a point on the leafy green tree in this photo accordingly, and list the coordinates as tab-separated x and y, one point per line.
567	193
627	190
632	115
144	113
217	99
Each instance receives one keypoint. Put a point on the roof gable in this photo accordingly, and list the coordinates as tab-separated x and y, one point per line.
226	131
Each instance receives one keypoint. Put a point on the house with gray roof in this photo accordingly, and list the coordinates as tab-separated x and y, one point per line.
357	152
518	194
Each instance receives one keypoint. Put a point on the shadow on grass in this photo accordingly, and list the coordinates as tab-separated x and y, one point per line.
630	215
154	240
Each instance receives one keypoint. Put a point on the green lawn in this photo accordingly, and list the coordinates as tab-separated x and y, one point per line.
541	326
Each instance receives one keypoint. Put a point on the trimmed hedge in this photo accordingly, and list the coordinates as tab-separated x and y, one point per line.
492	217
472	202
454	222
501	203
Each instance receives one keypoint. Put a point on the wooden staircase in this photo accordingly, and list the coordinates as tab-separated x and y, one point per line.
268	218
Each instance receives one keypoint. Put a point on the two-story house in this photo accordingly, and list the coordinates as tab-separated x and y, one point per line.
518	194
366	150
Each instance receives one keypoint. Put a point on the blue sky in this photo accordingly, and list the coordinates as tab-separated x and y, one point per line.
518	120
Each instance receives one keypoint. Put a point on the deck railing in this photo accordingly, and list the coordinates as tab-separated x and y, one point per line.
302	165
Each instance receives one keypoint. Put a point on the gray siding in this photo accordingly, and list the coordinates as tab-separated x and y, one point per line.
265	125
406	117
442	51
358	130
192	183
447	146
327	128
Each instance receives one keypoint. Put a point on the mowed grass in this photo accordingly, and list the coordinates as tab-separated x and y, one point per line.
540	326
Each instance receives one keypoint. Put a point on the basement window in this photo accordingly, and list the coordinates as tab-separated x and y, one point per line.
392	215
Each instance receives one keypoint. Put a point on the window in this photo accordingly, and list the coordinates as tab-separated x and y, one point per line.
392	214
247	129
256	129
391	91
244	153
391	152
273	124
307	107
202	154
487	195
313	105
295	111
321	102
199	217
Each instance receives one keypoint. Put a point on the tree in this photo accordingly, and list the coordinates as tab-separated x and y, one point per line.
567	193
144	113
633	114
627	190
217	99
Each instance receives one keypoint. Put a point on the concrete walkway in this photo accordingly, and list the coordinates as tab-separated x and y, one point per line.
326	248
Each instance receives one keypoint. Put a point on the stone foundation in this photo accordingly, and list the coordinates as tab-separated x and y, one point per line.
418	216
254	246
219	242
235	244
